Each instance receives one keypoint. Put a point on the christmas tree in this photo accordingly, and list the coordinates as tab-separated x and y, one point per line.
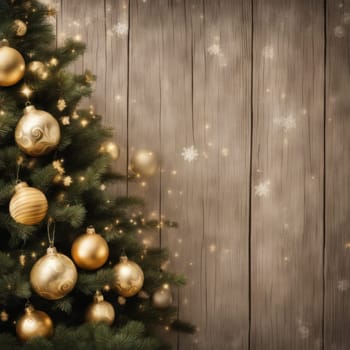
73	272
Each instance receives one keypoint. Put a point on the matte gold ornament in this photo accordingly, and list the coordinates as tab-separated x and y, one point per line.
20	27
12	65
29	205
37	133
144	162
54	275
34	323
162	297
100	311
111	148
90	250
39	69
128	277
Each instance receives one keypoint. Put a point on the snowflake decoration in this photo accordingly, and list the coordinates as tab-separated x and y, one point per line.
214	50
57	164
262	189
190	153
286	123
65	120
67	181
120	29
61	104
343	285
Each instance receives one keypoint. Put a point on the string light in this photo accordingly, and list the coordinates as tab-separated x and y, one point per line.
26	91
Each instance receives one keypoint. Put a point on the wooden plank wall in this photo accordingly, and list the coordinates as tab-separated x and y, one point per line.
260	89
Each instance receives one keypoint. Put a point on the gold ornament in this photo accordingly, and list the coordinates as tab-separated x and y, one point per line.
4	316
20	27
39	69
37	133
29	205
100	311
162	297
128	277
90	250
144	162
34	323
54	275
12	65
111	148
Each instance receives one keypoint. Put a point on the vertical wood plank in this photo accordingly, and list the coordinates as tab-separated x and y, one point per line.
85	20
144	99
205	102
116	90
287	175
337	208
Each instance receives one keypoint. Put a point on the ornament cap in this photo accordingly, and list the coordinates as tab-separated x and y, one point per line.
123	258
51	250
98	297
4	42
29	109
90	230
29	309
21	185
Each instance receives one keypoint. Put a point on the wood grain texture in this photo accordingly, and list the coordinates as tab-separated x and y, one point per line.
205	58
287	158
337	201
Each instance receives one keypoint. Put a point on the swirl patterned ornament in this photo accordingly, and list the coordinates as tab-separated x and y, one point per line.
54	275
37	133
29	205
129	277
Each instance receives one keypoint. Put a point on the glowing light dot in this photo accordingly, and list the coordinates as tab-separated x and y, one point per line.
212	248
77	37
84	122
26	91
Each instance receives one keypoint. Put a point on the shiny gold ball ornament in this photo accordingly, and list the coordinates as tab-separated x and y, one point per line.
39	69
28	206
162	297
144	162
90	251
12	65
100	311
34	323
20	27
37	132
54	275
128	277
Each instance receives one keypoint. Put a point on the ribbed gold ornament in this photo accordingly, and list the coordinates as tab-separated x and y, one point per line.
12	65
90	250
144	162
29	205
100	311
162	297
37	132
34	323
54	275
128	277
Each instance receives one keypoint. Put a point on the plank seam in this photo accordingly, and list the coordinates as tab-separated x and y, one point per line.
128	98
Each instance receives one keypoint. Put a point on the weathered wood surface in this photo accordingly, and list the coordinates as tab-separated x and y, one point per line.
264	210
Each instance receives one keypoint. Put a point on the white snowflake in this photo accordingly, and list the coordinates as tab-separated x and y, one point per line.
262	189
343	285
190	153
65	120
67	181
286	123
214	50
120	29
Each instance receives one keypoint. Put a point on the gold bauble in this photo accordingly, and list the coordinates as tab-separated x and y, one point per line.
12	65
144	162
90	250
111	148
29	205
37	132
39	69
100	311
34	323
54	275
162	297
128	277
20	27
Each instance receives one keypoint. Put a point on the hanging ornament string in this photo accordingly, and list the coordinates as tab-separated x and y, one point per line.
18	169
51	230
